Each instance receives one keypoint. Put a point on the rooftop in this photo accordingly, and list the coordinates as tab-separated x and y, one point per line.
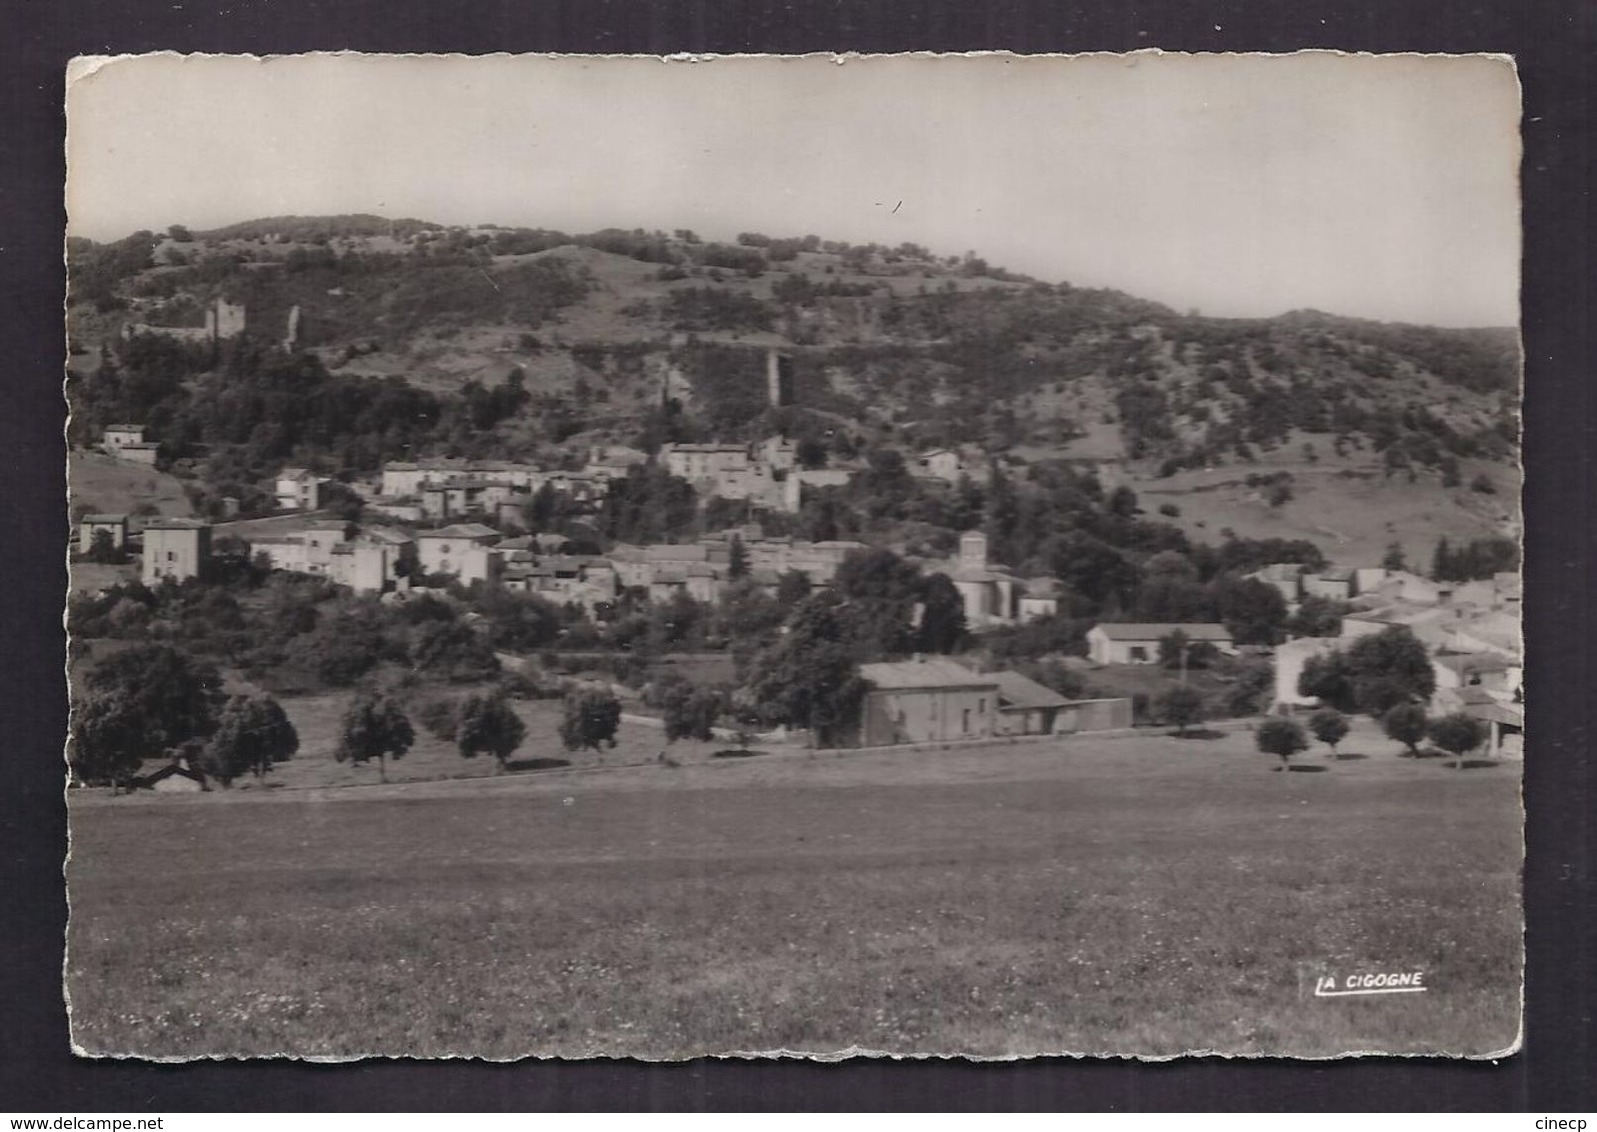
1153	631
461	530
928	672
1017	691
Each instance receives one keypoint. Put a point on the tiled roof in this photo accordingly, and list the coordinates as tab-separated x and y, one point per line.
932	672
1153	631
461	530
1015	690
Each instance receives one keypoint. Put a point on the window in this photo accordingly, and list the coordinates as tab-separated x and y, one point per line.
171	556
964	725
1138	653
981	706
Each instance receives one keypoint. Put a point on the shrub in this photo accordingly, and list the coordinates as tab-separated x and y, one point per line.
1456	734
1329	727
1182	705
1407	724
1282	738
438	717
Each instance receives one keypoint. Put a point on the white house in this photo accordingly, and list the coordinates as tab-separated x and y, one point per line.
1290	659
115	525
119	436
1138	642
462	550
299	490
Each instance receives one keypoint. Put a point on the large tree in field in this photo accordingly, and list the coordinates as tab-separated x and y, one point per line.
1375	674
1329	726
140	702
1253	611
1457	734
942	625
253	734
810	676
592	717
1389	668
1282	738
374	727
689	712
1407	724
488	725
881	590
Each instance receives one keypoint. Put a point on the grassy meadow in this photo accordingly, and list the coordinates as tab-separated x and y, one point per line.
1129	895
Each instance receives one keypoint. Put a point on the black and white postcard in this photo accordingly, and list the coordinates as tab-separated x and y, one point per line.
926	555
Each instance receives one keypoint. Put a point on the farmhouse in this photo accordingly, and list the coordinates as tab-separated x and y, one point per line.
115	525
1138	642
1335	585
705	461
926	700
175	777
175	548
1039	598
462	550
119	436
299	490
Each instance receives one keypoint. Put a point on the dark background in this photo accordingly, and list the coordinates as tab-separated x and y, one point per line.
1554	46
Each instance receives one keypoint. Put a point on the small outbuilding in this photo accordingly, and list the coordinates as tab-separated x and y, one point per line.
1026	707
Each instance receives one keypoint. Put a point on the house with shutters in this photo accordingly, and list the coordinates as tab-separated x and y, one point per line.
926	700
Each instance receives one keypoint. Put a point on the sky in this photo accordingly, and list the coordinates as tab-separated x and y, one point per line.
1241	186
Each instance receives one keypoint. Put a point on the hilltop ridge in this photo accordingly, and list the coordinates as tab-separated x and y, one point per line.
889	345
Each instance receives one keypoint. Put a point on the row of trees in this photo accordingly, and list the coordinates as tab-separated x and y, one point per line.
153	700
1455	733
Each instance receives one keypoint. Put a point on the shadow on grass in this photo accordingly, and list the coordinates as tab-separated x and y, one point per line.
515	765
1197	733
1471	764
744	753
1306	769
1349	756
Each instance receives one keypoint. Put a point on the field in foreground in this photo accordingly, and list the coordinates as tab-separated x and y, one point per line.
1128	895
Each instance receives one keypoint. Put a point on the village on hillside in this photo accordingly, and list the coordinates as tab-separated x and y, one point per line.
981	650
951	557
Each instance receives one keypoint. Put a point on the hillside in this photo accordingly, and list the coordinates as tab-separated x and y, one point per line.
1383	428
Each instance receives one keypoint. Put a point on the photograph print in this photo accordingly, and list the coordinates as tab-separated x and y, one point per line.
818	556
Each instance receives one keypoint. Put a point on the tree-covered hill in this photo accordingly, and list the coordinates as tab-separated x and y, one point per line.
649	336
